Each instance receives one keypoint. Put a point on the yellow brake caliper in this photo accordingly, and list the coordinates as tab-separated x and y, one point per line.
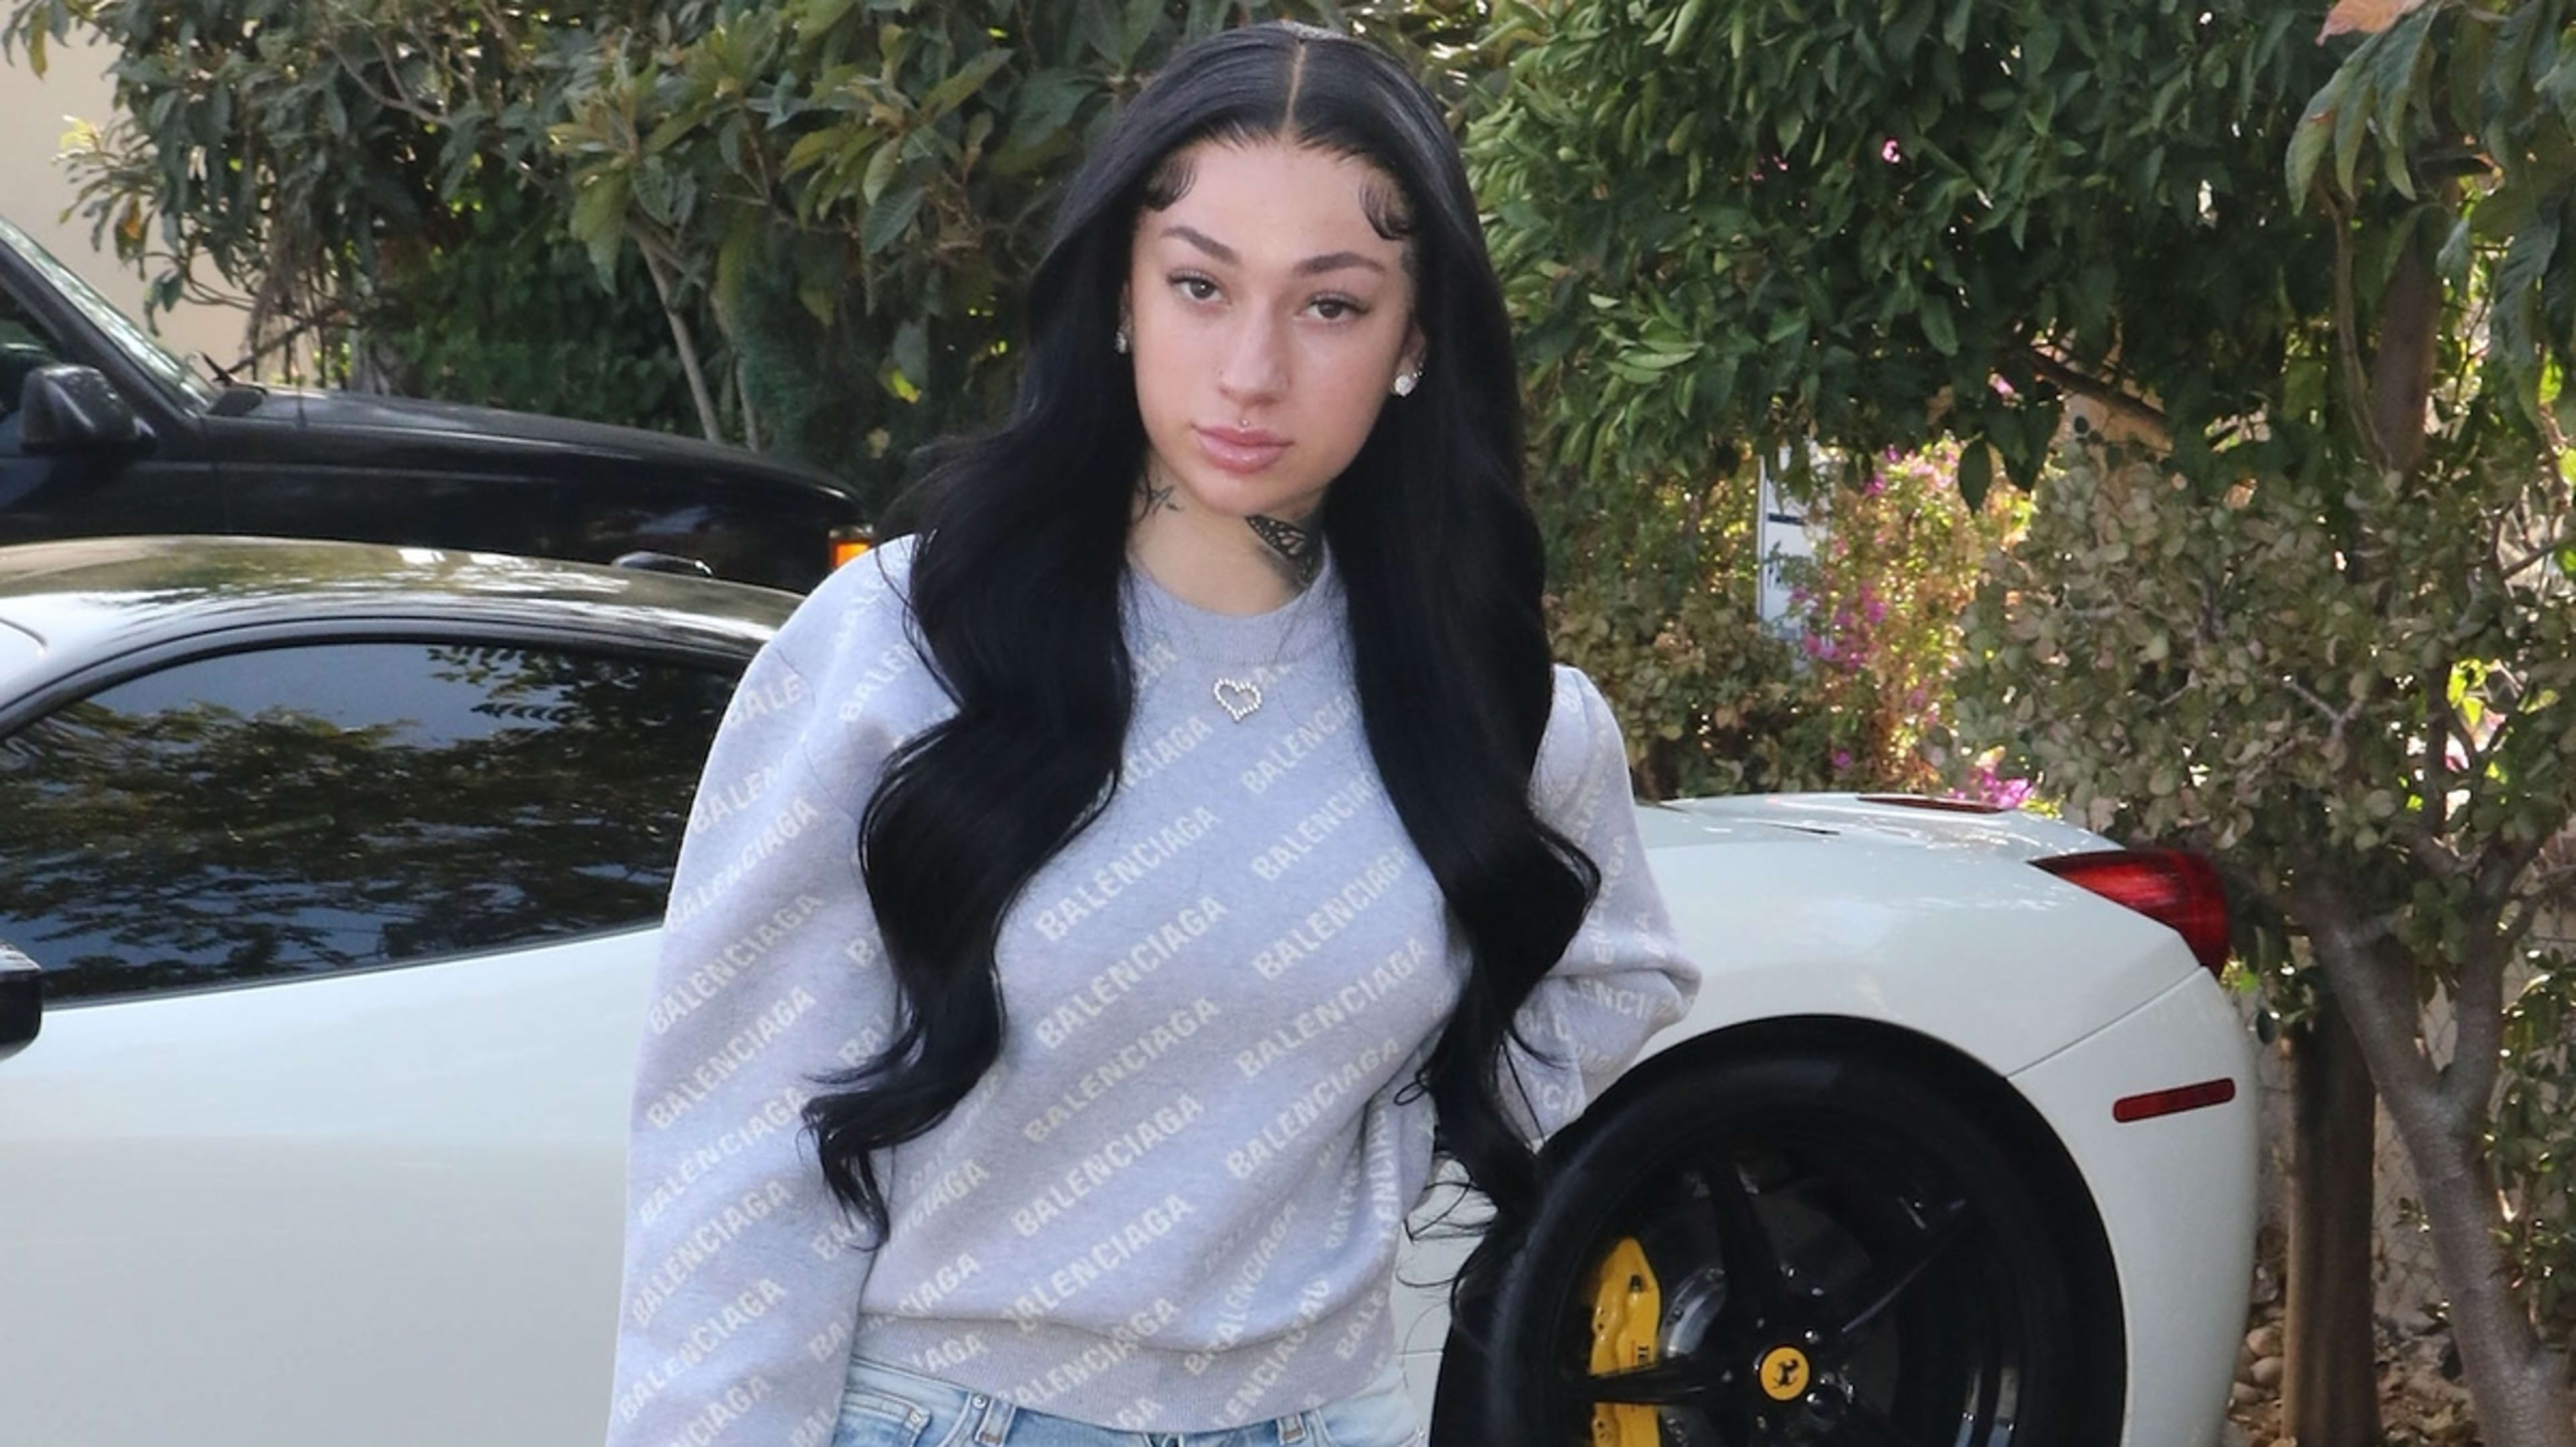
1627	1308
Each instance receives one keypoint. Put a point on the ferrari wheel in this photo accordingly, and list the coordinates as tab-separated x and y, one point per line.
1807	1248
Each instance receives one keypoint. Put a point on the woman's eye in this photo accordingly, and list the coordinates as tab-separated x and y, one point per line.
1196	288
1334	308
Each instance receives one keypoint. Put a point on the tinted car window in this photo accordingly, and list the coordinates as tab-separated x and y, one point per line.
25	345
297	811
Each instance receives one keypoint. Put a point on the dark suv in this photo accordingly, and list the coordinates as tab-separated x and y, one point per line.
103	430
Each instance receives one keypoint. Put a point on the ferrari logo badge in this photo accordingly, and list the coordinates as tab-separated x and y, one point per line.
1784	1374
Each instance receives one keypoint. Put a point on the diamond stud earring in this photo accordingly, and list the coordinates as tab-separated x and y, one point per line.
1120	341
1406	380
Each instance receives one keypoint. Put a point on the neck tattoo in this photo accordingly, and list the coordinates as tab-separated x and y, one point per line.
1295	551
1298	554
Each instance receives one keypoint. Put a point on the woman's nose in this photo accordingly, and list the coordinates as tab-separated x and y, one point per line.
1254	366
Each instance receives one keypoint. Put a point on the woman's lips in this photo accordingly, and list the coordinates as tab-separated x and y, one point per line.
1236	449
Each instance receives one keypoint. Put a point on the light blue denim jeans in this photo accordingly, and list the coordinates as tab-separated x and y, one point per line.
885	1406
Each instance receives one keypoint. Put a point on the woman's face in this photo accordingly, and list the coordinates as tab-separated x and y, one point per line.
1269	319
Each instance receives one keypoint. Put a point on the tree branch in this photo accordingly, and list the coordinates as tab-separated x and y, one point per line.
2427	847
2477	1016
2347	325
682	337
2389	1029
2510	569
2336	721
2439	721
2109	395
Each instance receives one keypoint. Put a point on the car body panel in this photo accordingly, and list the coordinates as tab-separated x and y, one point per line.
1942	824
89	603
2175	1190
303	463
306	1213
1963	945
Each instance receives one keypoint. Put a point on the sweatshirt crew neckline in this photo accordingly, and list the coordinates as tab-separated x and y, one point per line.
1293	630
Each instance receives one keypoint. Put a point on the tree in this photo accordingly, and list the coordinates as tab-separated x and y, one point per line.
1632	265
856	192
2300	596
374	178
2345	653
823	209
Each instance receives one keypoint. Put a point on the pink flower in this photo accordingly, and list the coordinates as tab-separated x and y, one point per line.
1986	785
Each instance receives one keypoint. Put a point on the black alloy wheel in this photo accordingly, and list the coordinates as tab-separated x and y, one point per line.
1807	1247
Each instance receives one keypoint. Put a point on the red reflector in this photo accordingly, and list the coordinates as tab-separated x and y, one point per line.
2174	888
2172	1102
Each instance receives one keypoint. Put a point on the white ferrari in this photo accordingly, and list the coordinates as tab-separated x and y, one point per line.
334	869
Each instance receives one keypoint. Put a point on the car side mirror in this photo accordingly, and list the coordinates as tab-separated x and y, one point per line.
68	408
22	1000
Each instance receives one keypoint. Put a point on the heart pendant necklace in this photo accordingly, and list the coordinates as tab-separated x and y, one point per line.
1239	697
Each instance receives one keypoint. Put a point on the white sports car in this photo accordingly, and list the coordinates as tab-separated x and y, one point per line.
338	867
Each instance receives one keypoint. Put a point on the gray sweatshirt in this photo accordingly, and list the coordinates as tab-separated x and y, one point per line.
1175	1201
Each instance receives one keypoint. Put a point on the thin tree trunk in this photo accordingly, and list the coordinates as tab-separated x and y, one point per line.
686	340
2401	370
2517	1387
2329	1385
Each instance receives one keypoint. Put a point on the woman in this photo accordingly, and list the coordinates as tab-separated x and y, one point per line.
1217	814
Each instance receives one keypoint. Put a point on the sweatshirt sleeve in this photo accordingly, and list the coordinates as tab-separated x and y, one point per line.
1623	976
742	1274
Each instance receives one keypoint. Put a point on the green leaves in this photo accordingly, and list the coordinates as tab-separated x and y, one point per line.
1976	473
1938	327
1883	205
2519	324
969	78
599	219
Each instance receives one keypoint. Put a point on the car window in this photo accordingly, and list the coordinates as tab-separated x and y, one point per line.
298	811
25	345
145	349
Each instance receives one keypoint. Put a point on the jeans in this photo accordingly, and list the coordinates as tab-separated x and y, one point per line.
884	1406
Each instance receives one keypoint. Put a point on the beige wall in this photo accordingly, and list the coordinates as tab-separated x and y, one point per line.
35	192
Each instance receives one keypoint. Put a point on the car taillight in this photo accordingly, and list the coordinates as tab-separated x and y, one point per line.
851	543
2172	887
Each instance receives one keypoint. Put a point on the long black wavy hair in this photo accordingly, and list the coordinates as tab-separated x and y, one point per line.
1016	585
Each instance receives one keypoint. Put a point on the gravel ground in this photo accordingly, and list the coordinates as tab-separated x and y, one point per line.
2421	1401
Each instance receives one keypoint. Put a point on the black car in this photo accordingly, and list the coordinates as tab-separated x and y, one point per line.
104	431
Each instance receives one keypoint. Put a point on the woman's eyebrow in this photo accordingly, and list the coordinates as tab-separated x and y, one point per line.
1311	266
1338	261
